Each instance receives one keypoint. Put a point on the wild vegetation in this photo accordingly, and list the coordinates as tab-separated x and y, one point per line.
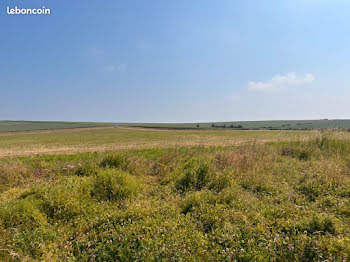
277	201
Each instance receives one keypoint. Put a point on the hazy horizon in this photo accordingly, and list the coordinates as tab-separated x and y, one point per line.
263	120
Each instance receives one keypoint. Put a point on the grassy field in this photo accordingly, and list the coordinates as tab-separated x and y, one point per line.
278	125
108	139
14	126
105	194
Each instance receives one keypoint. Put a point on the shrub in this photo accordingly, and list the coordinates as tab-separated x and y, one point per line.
202	207
310	190
258	186
287	151
13	174
219	182
110	185
22	213
320	226
191	202
119	161
193	175
299	153
64	200
58	205
86	169
303	155
30	242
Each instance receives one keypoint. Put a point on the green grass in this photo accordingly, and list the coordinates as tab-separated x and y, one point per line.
278	201
14	126
278	125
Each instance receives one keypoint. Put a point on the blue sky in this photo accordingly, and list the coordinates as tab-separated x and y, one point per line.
176	61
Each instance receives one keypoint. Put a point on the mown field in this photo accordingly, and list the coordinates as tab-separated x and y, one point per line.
14	126
269	125
175	196
102	139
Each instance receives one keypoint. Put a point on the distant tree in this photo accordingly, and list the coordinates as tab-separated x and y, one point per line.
197	126
240	126
224	126
212	125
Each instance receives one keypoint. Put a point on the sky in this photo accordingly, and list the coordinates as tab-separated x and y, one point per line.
175	61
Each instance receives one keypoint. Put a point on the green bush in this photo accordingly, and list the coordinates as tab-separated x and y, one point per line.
22	213
115	160
111	185
299	153
320	226
219	182
257	186
86	169
61	201
195	174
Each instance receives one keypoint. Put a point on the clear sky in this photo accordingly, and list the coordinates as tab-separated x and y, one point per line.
175	61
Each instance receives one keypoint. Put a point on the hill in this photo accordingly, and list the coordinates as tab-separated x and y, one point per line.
270	125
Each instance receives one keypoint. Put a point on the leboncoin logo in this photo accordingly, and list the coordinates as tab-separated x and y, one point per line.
28	11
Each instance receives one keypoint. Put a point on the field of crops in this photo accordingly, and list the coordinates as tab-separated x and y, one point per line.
277	125
221	196
13	126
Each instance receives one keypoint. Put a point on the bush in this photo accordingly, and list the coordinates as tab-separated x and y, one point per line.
299	153
119	161
22	213
320	226
60	201
193	175
111	185
258	186
87	169
219	182
202	207
63	201
310	189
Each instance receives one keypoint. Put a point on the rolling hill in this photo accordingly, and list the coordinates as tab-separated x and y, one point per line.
242	125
